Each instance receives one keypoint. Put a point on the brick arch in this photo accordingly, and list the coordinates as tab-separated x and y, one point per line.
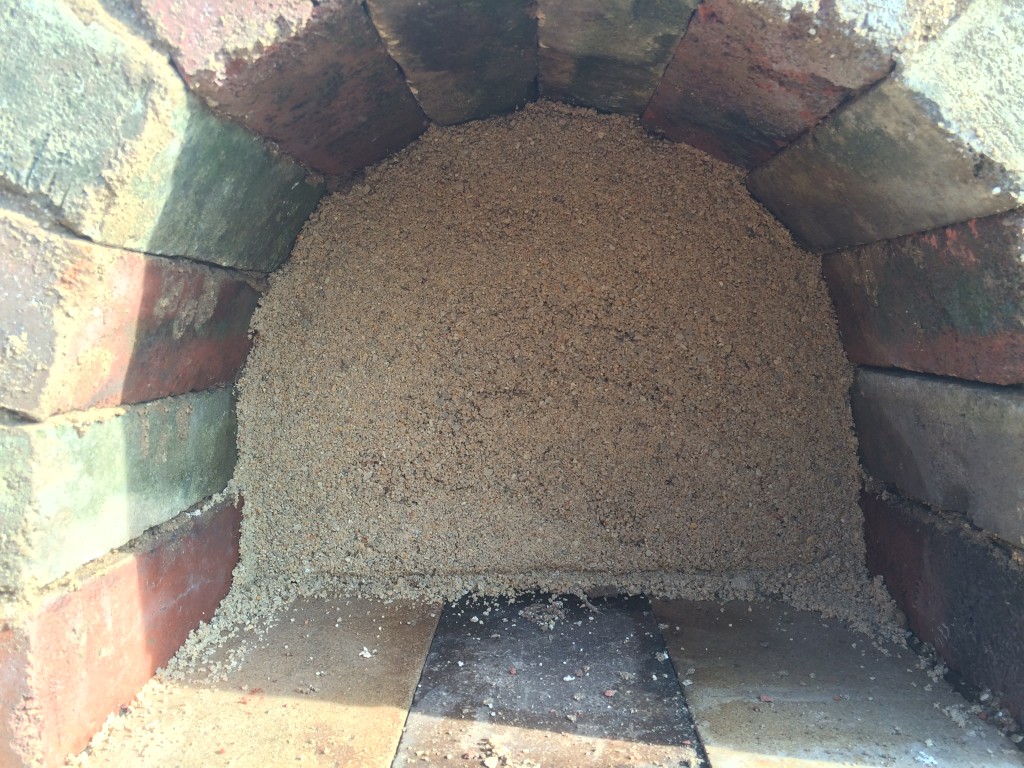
141	204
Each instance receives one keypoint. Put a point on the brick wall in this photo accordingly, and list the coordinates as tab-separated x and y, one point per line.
136	227
158	159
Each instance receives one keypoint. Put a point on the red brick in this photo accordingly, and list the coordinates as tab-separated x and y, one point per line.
961	590
949	301
90	326
748	78
90	645
322	86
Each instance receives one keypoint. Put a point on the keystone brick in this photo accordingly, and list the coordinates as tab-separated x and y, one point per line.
77	487
102	129
464	59
952	445
609	54
88	646
748	78
85	325
949	301
962	592
881	167
314	77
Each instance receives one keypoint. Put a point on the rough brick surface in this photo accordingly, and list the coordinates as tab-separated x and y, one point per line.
14	689
320	84
86	648
77	487
949	301
102	130
952	445
464	59
748	78
87	325
961	591
879	168
972	74
609	54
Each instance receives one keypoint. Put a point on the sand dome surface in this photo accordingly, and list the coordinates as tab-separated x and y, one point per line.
546	350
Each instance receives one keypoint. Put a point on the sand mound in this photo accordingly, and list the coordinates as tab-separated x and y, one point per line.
547	350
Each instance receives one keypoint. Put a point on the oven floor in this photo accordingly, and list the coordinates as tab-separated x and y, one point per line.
618	682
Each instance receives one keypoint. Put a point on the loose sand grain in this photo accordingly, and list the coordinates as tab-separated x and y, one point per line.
545	350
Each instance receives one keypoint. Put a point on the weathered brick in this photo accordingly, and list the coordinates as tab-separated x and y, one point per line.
748	78
86	325
949	301
88	646
879	168
952	445
464	59
939	143
971	74
14	690
609	54
314	77
78	486
102	129
962	591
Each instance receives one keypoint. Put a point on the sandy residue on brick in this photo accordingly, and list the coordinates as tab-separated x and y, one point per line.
547	350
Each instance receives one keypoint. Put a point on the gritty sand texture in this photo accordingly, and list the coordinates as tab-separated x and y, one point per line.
545	350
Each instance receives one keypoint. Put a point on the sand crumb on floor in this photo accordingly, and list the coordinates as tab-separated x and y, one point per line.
546	350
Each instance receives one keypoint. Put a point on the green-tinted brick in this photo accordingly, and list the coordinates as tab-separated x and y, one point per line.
98	125
78	486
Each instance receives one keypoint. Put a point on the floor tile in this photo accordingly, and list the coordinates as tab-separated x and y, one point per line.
329	685
772	686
